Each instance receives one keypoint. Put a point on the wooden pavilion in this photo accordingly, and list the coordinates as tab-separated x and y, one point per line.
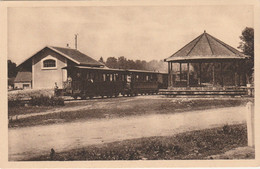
215	66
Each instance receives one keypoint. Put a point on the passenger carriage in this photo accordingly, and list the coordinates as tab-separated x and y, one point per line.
88	82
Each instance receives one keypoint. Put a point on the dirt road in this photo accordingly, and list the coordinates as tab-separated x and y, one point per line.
28	142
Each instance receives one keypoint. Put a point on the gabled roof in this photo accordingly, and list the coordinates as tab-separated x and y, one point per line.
206	46
77	56
72	54
23	77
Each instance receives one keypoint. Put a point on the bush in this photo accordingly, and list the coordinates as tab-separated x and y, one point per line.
46	101
37	101
15	103
26	94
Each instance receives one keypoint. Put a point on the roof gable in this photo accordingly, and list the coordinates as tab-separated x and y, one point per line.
206	46
72	54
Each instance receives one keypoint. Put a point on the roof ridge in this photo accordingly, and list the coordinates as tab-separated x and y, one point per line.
196	43
230	48
209	43
183	47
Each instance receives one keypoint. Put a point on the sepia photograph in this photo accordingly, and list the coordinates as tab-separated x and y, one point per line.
130	82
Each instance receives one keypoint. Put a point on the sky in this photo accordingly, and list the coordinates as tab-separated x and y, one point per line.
136	32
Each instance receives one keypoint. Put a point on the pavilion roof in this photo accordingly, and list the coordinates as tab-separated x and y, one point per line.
206	47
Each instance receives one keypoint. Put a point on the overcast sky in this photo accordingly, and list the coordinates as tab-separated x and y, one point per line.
144	33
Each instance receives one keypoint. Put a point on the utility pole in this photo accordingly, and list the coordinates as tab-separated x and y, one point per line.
76	41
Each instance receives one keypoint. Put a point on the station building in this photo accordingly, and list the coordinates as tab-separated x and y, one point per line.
43	70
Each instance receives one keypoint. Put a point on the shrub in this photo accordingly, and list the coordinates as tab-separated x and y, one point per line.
46	101
15	103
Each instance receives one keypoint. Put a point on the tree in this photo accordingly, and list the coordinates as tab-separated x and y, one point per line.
112	62
139	65
101	60
12	69
247	46
131	64
122	62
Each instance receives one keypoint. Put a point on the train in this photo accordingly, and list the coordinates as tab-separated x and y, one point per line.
88	82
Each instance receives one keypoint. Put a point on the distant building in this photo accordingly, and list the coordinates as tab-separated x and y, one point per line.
23	80
44	69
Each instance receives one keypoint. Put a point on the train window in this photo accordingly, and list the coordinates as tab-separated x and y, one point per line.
137	77
116	77
78	74
107	77
91	75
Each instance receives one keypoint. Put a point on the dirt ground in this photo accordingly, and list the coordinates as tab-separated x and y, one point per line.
236	153
226	142
27	142
87	122
114	107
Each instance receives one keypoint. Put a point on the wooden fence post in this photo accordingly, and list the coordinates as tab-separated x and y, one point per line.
250	124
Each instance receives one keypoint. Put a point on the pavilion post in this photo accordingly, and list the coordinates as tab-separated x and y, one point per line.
172	74
235	74
213	74
239	72
200	73
188	74
221	74
168	67
180	71
169	74
234	77
244	73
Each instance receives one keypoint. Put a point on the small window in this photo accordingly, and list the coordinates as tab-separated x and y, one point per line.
26	86
49	63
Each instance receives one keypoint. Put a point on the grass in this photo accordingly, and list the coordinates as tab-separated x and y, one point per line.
189	145
118	107
27	110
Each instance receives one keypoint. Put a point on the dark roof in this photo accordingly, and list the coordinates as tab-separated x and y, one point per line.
206	46
110	69
73	55
76	55
23	77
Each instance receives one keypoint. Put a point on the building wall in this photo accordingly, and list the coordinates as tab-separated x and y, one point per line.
22	85
45	78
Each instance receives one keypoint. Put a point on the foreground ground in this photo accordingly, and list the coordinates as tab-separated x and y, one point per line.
27	142
203	144
114	107
84	123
